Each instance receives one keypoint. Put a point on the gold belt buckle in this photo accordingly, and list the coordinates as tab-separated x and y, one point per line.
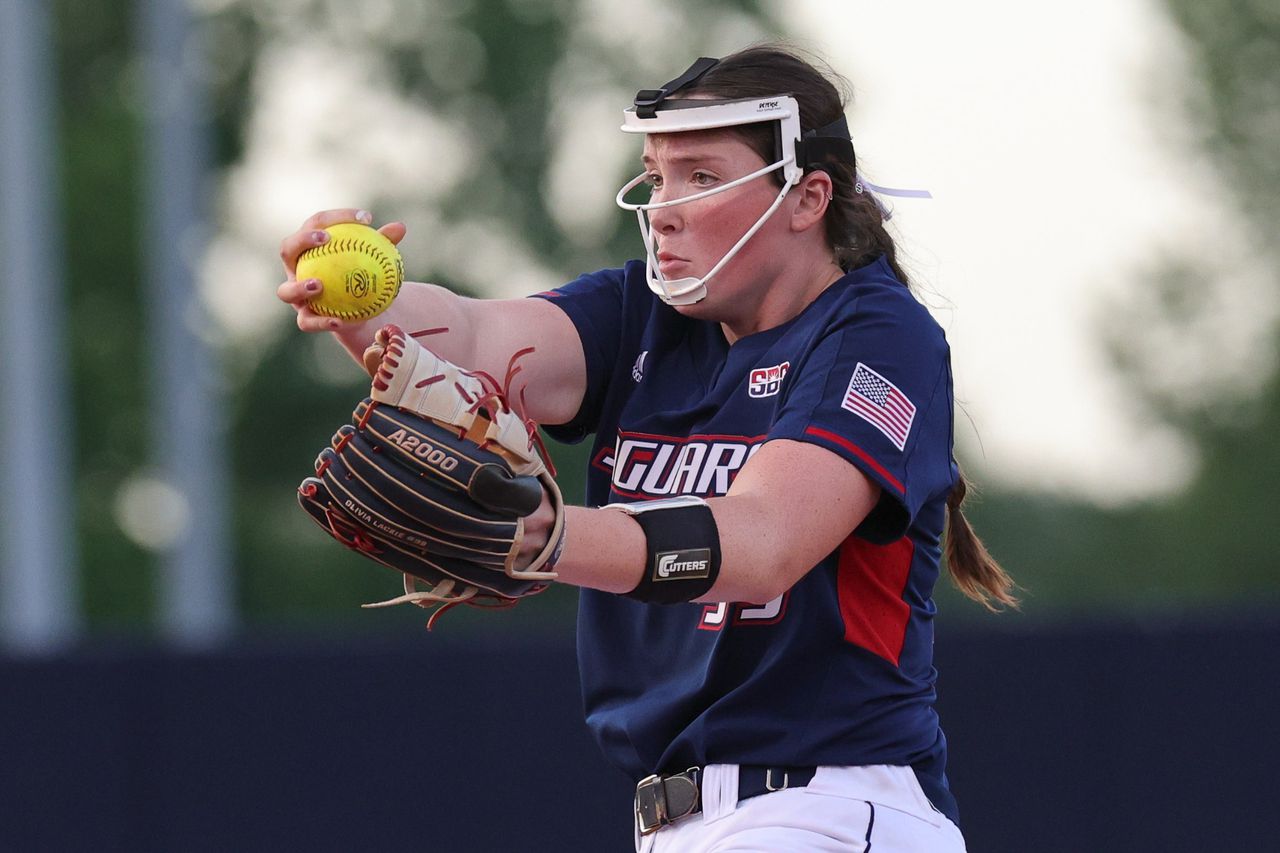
651	805
663	800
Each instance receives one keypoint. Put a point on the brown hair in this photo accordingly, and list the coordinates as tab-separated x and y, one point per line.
974	571
857	236
854	224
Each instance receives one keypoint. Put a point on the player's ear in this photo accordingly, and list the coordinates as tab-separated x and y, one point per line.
813	195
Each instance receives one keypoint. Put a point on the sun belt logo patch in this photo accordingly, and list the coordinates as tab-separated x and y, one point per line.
767	381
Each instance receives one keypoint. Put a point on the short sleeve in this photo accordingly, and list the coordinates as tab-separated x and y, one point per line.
593	302
875	388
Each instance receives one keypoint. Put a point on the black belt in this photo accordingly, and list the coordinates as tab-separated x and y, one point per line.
662	800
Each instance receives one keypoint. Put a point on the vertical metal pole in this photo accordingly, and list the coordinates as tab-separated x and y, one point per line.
196	586
39	608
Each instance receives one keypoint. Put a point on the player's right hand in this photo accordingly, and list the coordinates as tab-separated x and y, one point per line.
311	234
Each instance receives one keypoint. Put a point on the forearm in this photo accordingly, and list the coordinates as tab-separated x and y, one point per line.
419	307
767	541
548	374
603	549
607	550
758	560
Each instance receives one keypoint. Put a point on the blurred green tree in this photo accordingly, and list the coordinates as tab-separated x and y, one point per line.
1215	543
506	62
99	171
501	62
509	76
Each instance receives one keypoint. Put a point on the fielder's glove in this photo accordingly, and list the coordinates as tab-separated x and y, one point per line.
433	478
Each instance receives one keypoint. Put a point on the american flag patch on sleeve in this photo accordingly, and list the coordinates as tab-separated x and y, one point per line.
879	402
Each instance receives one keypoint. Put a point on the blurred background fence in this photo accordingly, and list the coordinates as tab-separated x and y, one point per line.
1140	738
182	663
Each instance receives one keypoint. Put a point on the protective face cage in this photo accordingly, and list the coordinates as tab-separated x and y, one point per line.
655	111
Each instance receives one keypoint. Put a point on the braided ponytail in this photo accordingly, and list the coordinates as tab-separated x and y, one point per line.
974	571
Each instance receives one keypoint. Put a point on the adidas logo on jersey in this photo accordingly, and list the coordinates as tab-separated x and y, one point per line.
637	369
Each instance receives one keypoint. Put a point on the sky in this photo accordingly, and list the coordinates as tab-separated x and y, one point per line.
1052	138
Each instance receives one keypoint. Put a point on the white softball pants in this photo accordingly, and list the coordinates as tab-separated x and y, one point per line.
875	809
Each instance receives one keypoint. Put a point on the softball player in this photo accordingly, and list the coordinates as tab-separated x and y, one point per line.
771	475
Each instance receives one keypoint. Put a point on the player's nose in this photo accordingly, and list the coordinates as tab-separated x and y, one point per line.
665	220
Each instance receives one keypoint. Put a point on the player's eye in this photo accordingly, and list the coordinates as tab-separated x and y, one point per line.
653	179
703	179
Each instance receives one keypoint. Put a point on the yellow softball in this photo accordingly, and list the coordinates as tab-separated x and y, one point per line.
360	269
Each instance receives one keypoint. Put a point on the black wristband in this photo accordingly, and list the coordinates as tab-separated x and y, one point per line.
682	550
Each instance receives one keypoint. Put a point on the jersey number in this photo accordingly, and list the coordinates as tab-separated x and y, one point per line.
714	616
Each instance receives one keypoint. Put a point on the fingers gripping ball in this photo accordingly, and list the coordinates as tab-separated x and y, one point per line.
434	477
360	269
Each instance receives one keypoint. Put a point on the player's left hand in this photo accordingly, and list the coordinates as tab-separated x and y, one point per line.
437	477
537	531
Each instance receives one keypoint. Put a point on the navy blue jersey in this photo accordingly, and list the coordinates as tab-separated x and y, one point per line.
838	670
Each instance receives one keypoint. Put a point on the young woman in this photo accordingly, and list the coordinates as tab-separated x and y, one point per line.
771	475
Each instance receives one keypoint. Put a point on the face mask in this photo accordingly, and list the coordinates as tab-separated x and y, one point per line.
691	115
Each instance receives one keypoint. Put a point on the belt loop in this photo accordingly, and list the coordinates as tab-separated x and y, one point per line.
768	780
